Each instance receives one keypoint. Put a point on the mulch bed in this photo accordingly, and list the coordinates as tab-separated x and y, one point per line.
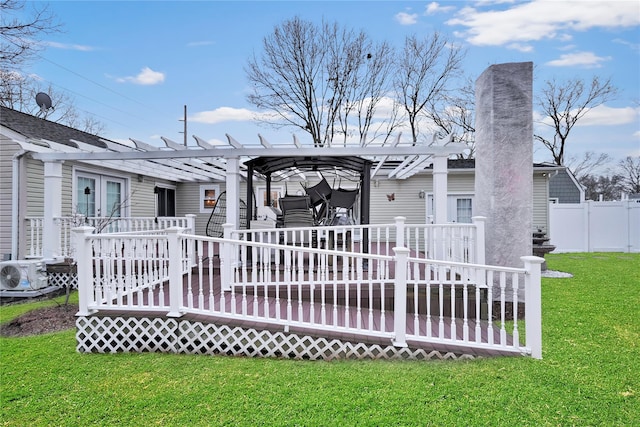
41	321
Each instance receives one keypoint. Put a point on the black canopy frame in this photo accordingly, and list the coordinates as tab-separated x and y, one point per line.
268	165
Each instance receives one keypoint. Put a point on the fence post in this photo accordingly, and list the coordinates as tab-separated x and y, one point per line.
191	223
191	229
227	260
400	297
479	222
533	304
84	264
175	272
400	227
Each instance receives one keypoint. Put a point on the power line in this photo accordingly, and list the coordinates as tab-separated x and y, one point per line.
95	83
9	39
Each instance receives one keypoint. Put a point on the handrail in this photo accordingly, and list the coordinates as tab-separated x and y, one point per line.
295	286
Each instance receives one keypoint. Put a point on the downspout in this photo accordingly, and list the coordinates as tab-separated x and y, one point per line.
15	202
549	176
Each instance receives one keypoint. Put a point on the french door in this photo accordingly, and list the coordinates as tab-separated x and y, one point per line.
100	196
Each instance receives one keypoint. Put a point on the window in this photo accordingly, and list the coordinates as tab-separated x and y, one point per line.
459	207
463	210
165	201
86	196
276	193
208	197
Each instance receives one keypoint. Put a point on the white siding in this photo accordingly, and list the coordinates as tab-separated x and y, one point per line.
35	187
143	200
540	202
188	202
7	150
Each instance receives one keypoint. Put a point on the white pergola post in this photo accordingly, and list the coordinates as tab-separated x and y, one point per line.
440	187
52	209
233	191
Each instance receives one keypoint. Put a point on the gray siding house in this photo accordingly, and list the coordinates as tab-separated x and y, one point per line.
564	188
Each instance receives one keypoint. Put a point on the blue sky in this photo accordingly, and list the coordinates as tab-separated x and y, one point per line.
134	65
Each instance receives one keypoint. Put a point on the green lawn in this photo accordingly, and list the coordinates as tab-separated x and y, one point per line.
589	374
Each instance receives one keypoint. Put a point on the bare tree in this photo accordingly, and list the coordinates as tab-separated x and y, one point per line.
566	103
19	34
324	80
589	163
454	114
19	92
425	68
630	168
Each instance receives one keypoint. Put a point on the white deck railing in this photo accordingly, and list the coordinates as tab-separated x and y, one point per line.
391	296
34	248
446	242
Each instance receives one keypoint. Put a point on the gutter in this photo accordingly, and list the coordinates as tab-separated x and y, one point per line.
15	201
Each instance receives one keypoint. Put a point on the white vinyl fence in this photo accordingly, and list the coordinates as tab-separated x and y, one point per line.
595	226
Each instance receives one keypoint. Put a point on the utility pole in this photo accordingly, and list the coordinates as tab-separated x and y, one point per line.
185	125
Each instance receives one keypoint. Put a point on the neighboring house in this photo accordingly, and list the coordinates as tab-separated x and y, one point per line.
177	187
565	188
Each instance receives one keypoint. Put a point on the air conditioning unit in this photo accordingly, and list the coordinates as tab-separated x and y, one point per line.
23	275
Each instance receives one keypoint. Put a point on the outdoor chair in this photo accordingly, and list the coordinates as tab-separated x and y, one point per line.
219	216
318	195
340	207
296	212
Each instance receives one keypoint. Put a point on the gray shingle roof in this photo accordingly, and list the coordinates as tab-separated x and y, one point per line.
37	128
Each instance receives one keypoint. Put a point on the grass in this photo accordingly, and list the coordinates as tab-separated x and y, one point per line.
589	374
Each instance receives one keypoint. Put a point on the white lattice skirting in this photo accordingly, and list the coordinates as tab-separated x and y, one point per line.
62	279
130	334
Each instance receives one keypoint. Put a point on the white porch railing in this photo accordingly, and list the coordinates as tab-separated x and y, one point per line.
34	229
446	242
388	296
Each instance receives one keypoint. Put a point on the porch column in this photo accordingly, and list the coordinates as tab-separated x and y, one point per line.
52	209
440	187
233	191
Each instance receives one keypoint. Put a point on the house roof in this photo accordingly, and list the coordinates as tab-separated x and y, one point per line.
37	128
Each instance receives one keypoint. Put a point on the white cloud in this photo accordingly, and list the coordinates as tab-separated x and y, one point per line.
630	45
541	19
229	114
609	116
435	7
601	116
145	77
67	46
585	59
406	18
520	47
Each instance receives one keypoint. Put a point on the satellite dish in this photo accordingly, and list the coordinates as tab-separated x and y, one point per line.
44	102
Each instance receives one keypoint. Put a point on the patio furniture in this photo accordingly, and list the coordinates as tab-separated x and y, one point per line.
219	216
318	195
340	207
